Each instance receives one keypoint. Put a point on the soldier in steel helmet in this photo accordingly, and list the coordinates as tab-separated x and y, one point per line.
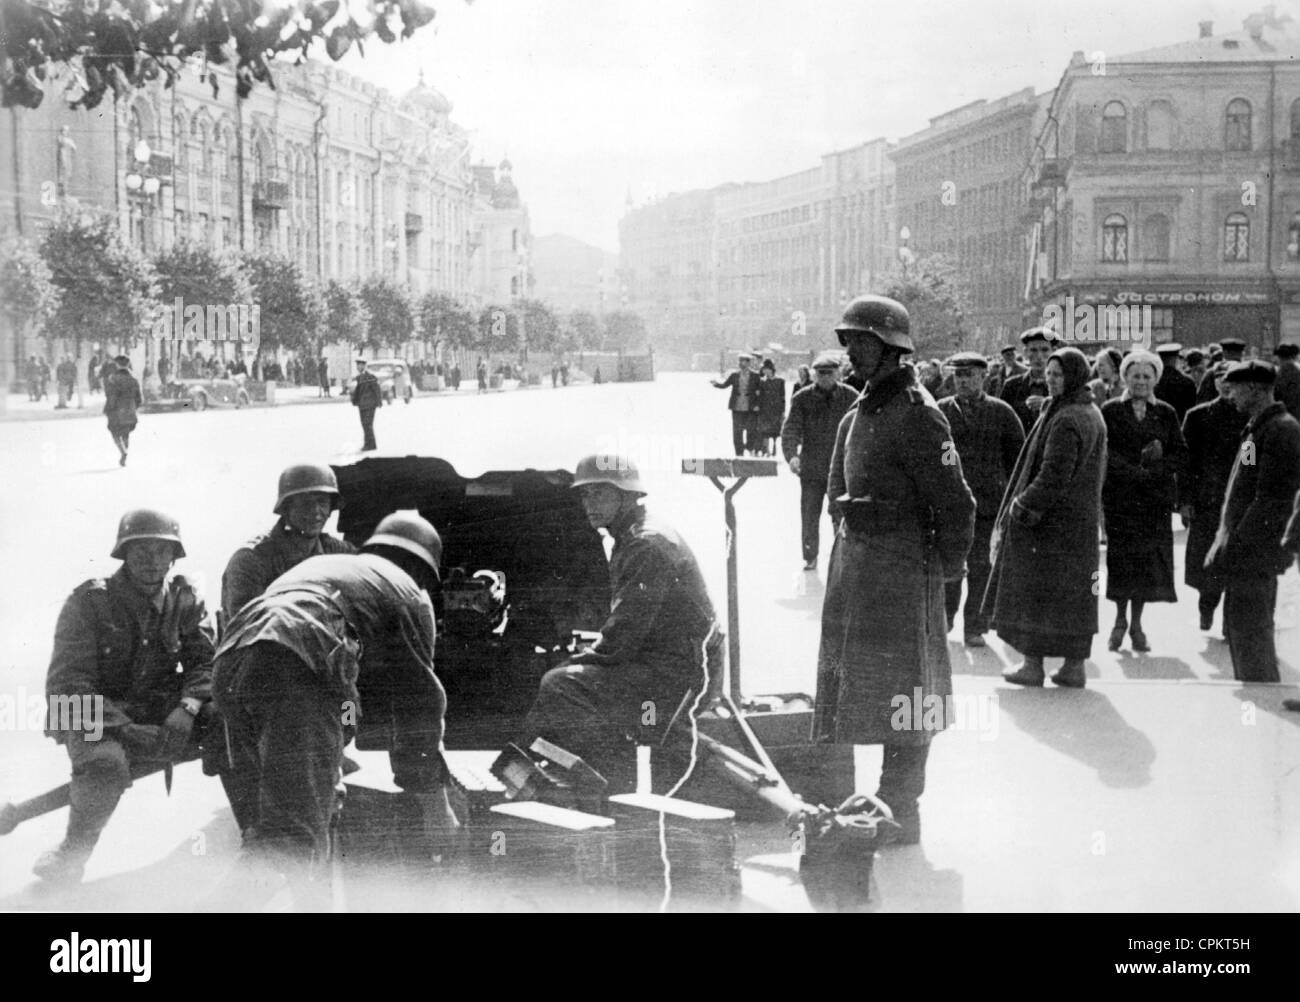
305	497
340	644
907	519
660	640
117	647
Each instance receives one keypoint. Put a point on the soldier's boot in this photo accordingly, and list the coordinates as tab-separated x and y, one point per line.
1030	673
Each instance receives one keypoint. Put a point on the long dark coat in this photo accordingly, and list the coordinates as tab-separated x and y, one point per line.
1042	593
1213	435
771	406
1138	498
121	399
883	663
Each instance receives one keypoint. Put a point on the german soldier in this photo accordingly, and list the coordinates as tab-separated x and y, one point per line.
988	437
117	647
908	520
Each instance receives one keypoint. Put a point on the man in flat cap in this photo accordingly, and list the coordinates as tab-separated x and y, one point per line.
1027	392
1173	387
743	403
1287	388
1232	349
808	439
988	437
1195	364
1007	368
1247	551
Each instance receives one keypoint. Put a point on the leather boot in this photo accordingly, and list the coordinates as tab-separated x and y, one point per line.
1030	673
1071	675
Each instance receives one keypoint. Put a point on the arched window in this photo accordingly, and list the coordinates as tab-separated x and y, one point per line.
1160	125
1236	237
1114	128
180	145
1293	239
1155	238
1236	125
1114	239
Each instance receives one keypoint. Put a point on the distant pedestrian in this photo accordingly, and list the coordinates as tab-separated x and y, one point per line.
743	404
808	439
122	398
401	384
164	373
1247	550
771	408
66	375
564	373
1196	365
1174	388
323	375
1213	435
92	374
1007	368
596	378
1229	349
1287	388
455	376
555	376
481	371
1145	455
1041	595
804	380
988	437
1107	385
44	367
367	397
239	368
32	376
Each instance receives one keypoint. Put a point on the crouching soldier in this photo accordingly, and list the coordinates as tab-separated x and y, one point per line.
660	640
117	646
338	644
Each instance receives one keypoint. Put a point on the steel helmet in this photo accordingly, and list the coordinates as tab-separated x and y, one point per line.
618	471
306	478
407	531
879	315
146	523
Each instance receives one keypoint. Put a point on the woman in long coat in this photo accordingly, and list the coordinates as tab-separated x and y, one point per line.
1145	454
1040	597
771	407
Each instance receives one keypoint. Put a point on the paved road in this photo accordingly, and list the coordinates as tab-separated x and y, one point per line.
1163	785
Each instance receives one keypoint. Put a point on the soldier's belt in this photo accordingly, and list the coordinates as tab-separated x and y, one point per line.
872	516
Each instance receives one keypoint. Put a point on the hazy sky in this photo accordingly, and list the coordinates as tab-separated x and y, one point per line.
593	98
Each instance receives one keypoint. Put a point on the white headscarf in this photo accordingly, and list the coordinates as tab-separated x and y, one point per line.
1140	356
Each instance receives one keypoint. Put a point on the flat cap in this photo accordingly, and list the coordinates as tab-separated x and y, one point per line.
1007	348
826	360
1231	342
1193	356
1287	350
1171	348
122	360
1253	371
968	360
1039	334
744	356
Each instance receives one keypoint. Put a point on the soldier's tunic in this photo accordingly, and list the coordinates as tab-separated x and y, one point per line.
883	631
113	644
661	638
336	643
264	558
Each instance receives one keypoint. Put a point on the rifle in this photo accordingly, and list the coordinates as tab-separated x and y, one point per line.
12	815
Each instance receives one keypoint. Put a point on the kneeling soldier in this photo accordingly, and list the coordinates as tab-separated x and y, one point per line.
117	646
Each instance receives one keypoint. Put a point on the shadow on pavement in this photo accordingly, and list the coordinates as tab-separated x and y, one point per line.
1217	656
1084	725
1143	667
1269	699
975	660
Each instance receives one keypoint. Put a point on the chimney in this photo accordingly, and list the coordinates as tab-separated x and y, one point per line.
1207	29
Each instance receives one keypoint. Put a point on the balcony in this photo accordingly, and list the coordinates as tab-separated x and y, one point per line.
1051	173
270	195
414	222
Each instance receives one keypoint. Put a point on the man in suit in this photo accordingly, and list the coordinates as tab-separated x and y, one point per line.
743	404
1174	388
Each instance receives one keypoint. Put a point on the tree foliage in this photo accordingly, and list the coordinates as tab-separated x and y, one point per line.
120	45
541	326
292	309
443	319
28	294
583	332
392	321
107	287
347	321
200	276
498	330
938	300
624	331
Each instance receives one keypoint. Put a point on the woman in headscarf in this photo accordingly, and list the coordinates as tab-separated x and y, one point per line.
1041	597
1107	385
1145	455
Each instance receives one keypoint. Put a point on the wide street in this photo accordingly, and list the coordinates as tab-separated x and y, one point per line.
1164	785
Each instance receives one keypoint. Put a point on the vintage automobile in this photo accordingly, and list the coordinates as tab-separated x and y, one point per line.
385	370
200	394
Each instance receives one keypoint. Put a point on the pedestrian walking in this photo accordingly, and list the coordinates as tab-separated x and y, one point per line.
907	522
1230	349
481	371
1041	597
339	645
555	376
66	377
455	376
1145	456
122	398
988	438
564	373
803	379
808	440
43	368
771	408
367	397
1174	388
1213	435
136	648
1005	369
32	376
742	403
92	374
1287	388
1247	550
1027	392
401	384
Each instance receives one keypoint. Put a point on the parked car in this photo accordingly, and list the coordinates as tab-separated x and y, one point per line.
385	369
200	394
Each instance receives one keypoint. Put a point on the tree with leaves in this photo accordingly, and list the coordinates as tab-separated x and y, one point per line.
107	286
347	321
938	300
583	332
121	45
498	330
392	320
292	310
541	327
624	331
443	320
